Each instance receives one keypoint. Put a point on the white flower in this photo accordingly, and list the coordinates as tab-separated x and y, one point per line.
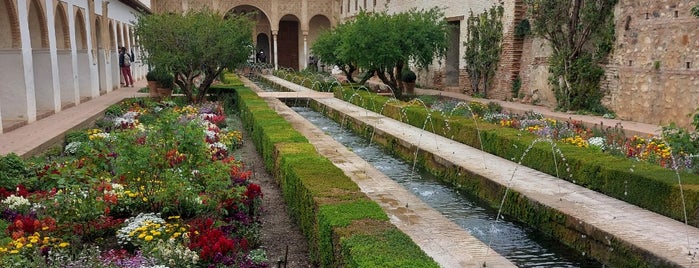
597	142
16	202
72	147
218	145
131	224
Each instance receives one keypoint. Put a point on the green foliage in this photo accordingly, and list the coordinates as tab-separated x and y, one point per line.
326	47
583	78
516	86
581	34
523	29
194	44
391	248
164	78
408	76
384	43
320	196
12	171
483	47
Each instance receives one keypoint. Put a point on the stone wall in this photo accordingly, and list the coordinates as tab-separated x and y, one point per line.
656	55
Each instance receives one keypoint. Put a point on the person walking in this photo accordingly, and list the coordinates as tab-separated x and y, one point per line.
125	60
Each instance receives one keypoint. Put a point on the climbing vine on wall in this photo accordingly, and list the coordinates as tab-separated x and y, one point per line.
581	34
482	50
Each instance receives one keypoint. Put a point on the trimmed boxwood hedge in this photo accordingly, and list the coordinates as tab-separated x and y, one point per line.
648	186
343	226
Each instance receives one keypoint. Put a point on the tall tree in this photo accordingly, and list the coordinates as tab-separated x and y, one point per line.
384	44
581	34
198	43
326	48
482	50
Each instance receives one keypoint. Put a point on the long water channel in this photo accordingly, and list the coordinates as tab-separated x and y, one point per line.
522	245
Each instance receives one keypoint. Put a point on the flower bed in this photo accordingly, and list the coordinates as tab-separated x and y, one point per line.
153	185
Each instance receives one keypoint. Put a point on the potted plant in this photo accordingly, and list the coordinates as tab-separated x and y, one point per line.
165	83
152	79
408	77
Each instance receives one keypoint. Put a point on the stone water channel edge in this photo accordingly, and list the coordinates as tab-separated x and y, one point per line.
662	240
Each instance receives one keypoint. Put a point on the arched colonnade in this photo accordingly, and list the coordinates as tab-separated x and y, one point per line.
58	54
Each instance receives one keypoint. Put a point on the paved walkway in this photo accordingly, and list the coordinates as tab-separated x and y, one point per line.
38	136
653	233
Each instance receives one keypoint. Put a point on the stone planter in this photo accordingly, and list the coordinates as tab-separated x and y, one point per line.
164	92
153	89
409	88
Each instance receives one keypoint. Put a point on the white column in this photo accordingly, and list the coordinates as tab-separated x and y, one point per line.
305	51
27	60
53	54
276	53
73	54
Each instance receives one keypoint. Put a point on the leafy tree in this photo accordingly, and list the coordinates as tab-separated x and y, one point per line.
325	47
482	50
194	44
383	43
581	33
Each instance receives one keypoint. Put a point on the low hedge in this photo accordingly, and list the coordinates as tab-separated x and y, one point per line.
343	226
649	186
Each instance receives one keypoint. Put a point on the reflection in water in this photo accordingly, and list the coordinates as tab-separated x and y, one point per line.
521	245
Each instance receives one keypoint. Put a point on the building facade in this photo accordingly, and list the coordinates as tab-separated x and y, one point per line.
58	54
285	28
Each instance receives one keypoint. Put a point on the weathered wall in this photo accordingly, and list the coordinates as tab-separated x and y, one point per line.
648	31
656	54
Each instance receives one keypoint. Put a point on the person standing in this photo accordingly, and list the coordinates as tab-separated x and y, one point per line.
125	60
261	57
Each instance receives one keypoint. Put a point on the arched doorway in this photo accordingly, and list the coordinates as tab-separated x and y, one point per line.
83	62
65	66
262	44
288	42
317	25
13	96
262	30
41	61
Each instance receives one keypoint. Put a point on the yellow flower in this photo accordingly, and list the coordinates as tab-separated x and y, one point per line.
63	244
14	251
145	199
149	238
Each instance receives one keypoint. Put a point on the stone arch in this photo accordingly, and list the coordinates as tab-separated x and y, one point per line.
37	25
112	36
262	30
100	54
9	25
62	31
288	41
318	24
80	31
119	34
98	33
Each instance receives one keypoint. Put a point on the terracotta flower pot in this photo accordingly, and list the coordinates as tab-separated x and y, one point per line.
165	92
153	89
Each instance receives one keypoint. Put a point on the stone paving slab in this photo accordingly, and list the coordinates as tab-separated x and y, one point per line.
662	236
443	240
